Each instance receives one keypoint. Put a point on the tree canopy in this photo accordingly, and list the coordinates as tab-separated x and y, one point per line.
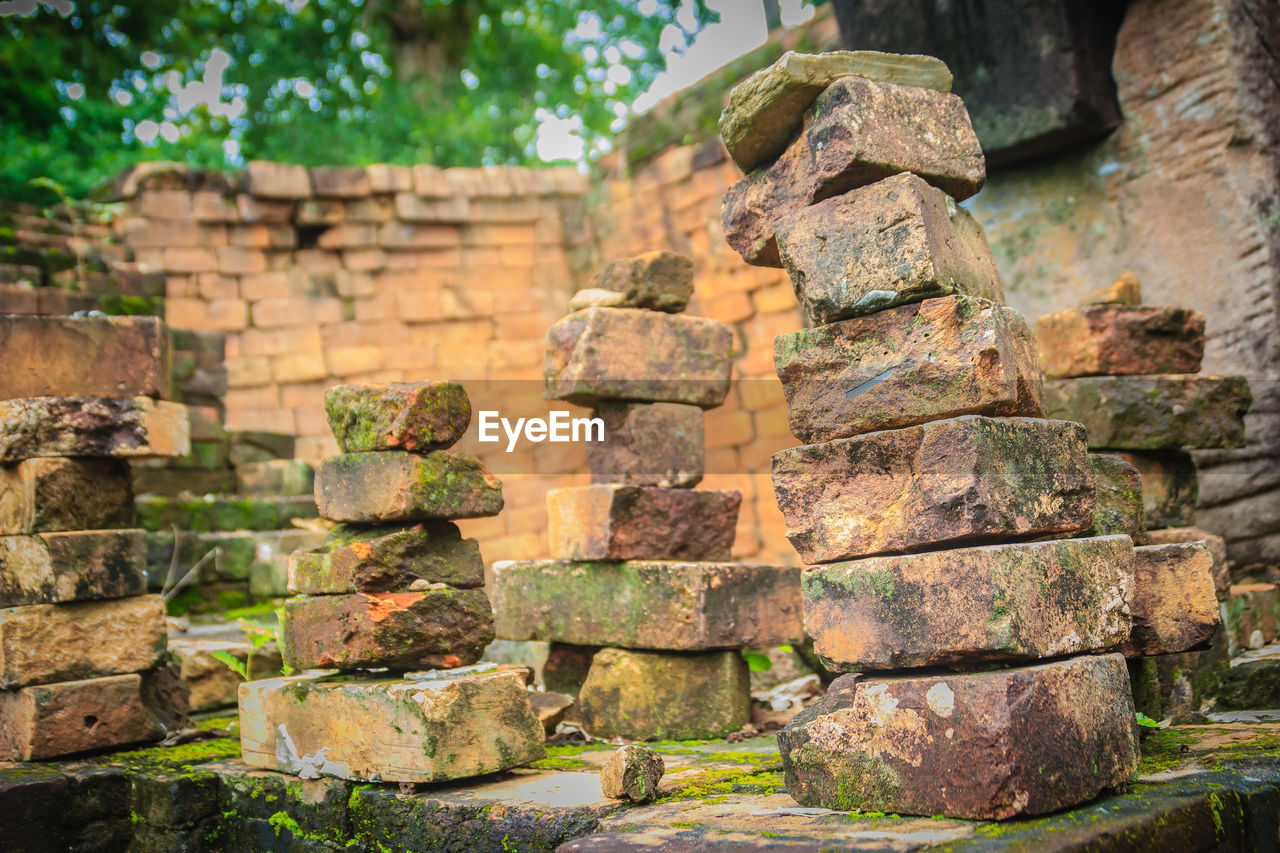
95	85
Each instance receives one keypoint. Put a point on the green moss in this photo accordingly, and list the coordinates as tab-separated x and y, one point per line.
282	820
711	785
181	757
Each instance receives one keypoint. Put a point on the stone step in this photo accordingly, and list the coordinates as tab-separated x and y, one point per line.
399	486
85	357
668	606
1171	412
1015	602
436	627
385	558
49	720
614	522
665	695
953	481
1118	495
52	494
1099	340
890	243
1175	608
979	745
414	416
44	643
212	514
648	444
446	725
127	427
643	356
54	568
936	359
657	281
857	132
1170	486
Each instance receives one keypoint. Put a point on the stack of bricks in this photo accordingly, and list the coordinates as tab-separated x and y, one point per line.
1130	373
82	646
928	468
394	587
639	574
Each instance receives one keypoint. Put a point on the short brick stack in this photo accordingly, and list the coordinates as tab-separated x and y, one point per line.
81	644
1130	373
395	587
639	557
929	467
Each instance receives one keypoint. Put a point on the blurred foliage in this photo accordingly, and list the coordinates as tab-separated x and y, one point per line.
95	86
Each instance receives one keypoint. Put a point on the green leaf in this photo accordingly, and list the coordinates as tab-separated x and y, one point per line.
232	663
1144	720
757	662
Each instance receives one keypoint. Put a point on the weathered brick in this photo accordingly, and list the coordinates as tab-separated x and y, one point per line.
665	605
42	495
438	627
49	720
387	558
965	479
85	357
1170	486
132	427
340	181
1217	549
1118	490
1120	340
52	568
657	280
648	444
278	180
398	486
1175	608
617	522
416	416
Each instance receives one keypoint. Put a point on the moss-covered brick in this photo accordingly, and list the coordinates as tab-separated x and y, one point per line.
387	557
398	486
49	568
1118	504
85	357
43	495
414	416
617	522
1120	340
126	427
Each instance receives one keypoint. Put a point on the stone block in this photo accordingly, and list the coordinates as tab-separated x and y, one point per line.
980	745
765	110
1118	491
446	725
85	357
663	605
399	486
1252	615
615	522
212	514
658	280
50	720
260	446
44	643
1175	608
212	683
1016	602
278	180
648	444
52	568
856	132
1217	548
1170	486
52	494
890	243
1123	340
276	477
1170	412
387	558
966	479
665	696
415	416
127	427
437	627
936	359
566	666
632	773
643	356
340	181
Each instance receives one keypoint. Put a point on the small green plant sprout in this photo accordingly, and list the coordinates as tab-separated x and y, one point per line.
1144	720
757	661
258	636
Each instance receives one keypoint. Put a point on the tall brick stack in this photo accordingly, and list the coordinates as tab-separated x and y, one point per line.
1131	374
638	573
81	644
395	587
928	468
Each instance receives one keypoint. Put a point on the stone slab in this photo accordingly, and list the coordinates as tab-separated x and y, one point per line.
1015	602
398	486
961	480
648	444
667	606
615	522
665	695
53	568
856	132
1170	412
642	356
213	684
415	416
1118	496
52	494
937	359
890	243
1099	340
765	110
1170	486
657	280
1217	548
49	720
85	357
449	726
437	627
44	643
127	427
1175	607
387	558
981	745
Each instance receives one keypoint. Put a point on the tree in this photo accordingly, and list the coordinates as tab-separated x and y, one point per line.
95	85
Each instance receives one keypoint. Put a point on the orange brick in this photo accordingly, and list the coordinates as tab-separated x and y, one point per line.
516	256
189	260
348	235
302	394
223	314
385	178
382	333
263	210
181	286
296	311
247	371
216	286
165	204
262	397
524	325
299	367
364	260
418	304
776	299
414	208
277	341
266	285
728	430
313	448
317	260
163	234
238	260
380	307
349	361
351	283
208	206
398	235
464	303
436	259
731	307
311	420
274	419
